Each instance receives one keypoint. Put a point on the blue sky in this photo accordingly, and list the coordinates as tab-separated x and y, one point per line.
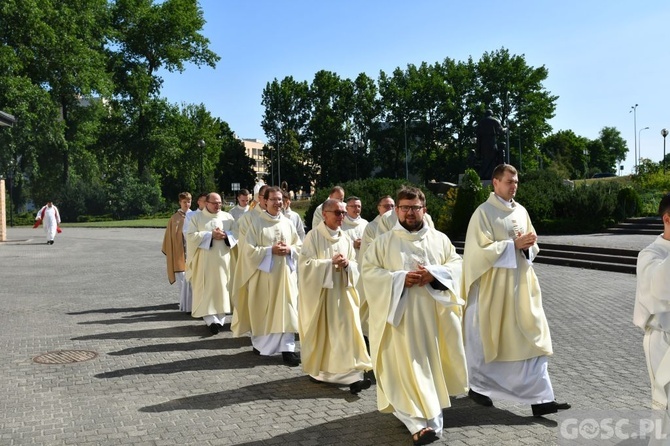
603	57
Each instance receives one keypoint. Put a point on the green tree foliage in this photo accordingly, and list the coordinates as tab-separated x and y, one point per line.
56	58
147	37
284	122
234	165
421	118
569	151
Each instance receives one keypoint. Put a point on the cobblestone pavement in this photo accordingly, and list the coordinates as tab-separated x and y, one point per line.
159	378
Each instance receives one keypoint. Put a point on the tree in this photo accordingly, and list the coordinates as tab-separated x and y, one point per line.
567	151
332	105
59	47
287	112
514	91
612	151
146	38
234	164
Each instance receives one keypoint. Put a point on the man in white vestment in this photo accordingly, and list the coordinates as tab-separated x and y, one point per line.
652	314
242	205
50	218
266	289
209	242
174	248
353	224
186	298
507	338
332	348
336	193
411	276
293	216
384	204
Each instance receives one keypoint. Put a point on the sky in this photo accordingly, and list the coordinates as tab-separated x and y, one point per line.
603	57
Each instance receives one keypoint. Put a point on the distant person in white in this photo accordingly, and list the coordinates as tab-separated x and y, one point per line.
652	314
50	217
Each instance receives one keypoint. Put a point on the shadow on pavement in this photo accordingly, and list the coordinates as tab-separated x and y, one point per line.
213	343
129	309
289	389
242	360
182	331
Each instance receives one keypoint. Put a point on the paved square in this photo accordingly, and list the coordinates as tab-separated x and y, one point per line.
160	378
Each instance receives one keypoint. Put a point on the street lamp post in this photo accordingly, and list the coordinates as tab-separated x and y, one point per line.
406	153
634	111
201	144
664	133
639	146
10	177
356	145
278	165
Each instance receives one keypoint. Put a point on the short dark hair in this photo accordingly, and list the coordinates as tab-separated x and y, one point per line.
500	170
202	195
352	198
384	197
269	190
664	206
336	189
242	192
411	193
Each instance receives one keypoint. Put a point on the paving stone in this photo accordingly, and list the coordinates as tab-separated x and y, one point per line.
161	379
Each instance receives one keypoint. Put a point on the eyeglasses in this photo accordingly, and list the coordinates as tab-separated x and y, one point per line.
416	208
341	213
387	206
218	203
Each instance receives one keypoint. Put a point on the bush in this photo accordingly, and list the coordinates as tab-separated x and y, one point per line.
628	204
131	196
469	196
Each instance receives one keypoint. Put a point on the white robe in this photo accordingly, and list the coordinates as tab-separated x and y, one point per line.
652	314
237	211
505	308
354	230
50	221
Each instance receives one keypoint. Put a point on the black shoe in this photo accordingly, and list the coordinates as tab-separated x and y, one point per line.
214	328
358	386
480	399
256	351
548	408
291	359
315	381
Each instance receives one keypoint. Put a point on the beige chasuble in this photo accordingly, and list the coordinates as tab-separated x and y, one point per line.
512	323
266	299
209	268
415	336
330	331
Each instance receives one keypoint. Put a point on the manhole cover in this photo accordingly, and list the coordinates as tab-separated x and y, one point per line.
65	357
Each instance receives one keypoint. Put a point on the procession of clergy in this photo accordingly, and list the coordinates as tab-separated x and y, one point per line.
390	296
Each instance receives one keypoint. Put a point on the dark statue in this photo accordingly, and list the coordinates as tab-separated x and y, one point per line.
490	148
